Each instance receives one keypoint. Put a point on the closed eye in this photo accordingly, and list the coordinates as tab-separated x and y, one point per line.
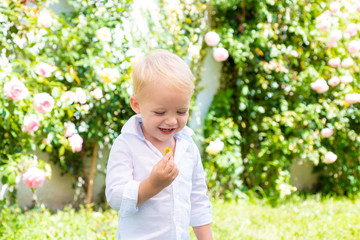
159	113
182	112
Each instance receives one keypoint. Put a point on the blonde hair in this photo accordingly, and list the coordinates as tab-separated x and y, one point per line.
162	67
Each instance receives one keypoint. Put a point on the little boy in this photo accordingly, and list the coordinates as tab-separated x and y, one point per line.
158	195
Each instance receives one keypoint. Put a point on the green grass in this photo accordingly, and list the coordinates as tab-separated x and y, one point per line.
313	218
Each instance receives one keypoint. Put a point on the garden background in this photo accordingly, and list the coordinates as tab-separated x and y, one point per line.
276	106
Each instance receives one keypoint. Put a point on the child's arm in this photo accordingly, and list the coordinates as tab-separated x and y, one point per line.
203	232
161	176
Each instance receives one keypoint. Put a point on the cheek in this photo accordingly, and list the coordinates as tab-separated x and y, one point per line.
183	119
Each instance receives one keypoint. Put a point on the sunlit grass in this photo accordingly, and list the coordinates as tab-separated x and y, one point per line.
312	218
298	218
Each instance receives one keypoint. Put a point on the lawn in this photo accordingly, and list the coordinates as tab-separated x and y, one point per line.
298	218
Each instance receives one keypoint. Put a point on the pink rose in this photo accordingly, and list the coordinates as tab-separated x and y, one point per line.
44	69
335	35
334	62
33	177
346	35
346	79
68	97
347	62
70	129
220	54
320	86
352	98
325	16
43	102
354	46
334	81
324	25
330	157
76	142
335	7
351	29
31	123
15	90
331	44
212	39
327	132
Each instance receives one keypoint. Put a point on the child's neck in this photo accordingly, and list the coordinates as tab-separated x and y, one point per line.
167	144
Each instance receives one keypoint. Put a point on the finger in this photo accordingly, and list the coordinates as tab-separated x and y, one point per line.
174	173
164	160
169	155
169	166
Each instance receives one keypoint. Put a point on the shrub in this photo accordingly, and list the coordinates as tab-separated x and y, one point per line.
65	81
278	92
74	68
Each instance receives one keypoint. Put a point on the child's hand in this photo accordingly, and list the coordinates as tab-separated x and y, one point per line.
164	172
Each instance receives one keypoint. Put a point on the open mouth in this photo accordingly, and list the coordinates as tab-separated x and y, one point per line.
167	130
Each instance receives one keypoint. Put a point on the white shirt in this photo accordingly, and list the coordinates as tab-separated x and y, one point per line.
167	215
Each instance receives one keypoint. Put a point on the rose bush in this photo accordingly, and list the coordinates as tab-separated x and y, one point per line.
65	78
64	81
292	71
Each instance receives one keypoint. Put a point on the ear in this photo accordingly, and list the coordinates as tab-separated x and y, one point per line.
134	103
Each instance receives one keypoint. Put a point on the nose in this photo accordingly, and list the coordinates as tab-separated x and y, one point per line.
171	120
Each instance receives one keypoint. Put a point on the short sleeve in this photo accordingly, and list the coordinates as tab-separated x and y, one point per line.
121	190
201	209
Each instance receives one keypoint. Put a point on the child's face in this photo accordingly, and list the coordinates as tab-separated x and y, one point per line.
164	112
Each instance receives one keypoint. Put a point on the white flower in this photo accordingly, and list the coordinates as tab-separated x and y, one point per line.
68	97
215	146
347	62
351	29
103	34
194	50
352	98
44	19
75	142
109	75
335	7
285	189
346	79
335	35
97	93
80	95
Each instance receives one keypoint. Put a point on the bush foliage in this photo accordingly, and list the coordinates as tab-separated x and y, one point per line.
79	62
268	111
292	73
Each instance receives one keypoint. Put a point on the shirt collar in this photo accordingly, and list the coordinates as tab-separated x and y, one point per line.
133	126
